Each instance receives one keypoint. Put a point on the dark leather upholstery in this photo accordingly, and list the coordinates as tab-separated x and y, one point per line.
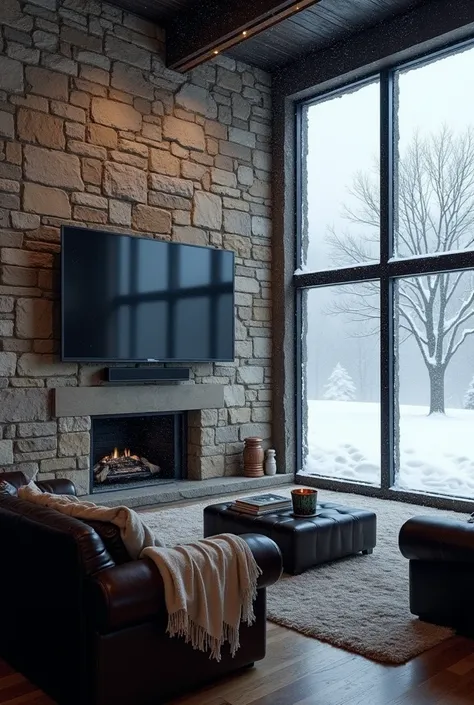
441	555
335	531
90	632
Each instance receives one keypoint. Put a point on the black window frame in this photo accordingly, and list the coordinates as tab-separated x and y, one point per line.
386	271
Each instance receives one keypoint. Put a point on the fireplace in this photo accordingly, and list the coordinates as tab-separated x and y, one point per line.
137	449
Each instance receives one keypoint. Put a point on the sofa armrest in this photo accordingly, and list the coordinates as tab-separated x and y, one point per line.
429	538
58	486
134	592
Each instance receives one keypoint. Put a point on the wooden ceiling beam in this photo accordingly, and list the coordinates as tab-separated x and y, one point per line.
211	26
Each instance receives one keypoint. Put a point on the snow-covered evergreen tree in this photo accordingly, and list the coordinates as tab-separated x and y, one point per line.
469	396
340	386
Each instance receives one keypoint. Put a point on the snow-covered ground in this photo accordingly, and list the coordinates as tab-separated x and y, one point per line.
436	452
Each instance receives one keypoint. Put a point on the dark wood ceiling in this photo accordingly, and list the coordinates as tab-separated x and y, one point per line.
319	26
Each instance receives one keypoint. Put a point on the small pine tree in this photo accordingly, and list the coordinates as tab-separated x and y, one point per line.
340	386
469	396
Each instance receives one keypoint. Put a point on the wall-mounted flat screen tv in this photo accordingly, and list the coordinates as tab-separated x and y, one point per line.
136	299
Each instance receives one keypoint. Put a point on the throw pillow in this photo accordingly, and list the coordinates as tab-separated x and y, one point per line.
110	535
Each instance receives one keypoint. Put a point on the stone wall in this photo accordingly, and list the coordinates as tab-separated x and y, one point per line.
95	131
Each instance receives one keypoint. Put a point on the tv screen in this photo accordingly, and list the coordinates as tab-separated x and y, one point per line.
134	299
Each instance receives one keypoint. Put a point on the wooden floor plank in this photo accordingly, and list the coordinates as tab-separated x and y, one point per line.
299	670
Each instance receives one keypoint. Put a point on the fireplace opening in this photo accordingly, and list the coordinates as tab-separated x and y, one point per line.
136	450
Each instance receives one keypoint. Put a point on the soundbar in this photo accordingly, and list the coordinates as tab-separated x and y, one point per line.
140	375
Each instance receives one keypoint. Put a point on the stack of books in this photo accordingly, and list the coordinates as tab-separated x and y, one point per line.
261	504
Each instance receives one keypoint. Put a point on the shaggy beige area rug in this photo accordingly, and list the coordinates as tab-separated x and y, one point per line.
358	603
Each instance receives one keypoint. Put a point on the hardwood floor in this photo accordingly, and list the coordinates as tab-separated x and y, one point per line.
302	671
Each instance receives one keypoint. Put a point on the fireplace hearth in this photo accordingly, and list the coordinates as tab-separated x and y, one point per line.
133	450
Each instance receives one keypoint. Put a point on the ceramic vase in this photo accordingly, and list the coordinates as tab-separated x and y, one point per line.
270	463
253	457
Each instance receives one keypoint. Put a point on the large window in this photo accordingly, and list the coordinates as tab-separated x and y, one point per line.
385	280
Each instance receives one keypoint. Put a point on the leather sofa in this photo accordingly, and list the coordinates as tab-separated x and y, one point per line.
441	555
90	629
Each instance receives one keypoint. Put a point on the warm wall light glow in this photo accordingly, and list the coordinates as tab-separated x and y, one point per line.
244	32
216	51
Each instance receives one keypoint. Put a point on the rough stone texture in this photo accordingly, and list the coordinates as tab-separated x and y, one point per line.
46	201
207	210
53	168
152	220
187	134
34	318
114	114
127	182
94	129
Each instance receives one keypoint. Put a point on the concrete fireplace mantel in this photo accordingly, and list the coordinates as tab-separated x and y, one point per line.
98	401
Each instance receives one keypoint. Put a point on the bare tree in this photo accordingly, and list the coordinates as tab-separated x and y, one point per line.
435	197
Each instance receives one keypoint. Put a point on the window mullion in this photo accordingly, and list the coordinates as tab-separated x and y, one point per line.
386	291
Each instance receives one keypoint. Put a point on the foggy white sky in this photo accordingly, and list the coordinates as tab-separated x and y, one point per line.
343	138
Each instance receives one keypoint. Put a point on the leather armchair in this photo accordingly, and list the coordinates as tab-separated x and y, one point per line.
441	555
91	632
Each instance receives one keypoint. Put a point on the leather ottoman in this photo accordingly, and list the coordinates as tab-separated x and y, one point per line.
336	531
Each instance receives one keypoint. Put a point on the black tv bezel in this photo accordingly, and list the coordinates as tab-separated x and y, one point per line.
149	361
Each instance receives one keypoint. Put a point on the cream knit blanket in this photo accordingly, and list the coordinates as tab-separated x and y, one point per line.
210	585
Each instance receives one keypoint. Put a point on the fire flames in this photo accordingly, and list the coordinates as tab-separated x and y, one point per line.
117	455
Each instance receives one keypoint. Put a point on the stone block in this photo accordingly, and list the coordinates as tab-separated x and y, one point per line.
191	170
261	227
45	40
187	233
262	347
234	395
90	200
114	114
36	365
6	327
224	178
187	134
34	318
229	79
261	430
25	221
173	186
243	137
234	150
74	444
120	213
151	220
89	215
236	222
53	168
78	38
163	162
238	416
7	125
7	363
227	434
132	81
11	75
70	424
211	466
246	284
58	62
46	130
125	182
33	445
262	414
46	201
6	453
53	464
250	374
35	430
240	107
47	83
262	160
6	304
207	210
208	417
196	100
245	175
128	53
166	200
92	171
23	405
